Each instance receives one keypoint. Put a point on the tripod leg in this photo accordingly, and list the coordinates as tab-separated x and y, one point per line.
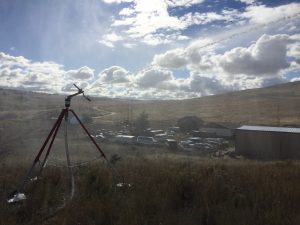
41	151
97	146
93	140
71	175
51	143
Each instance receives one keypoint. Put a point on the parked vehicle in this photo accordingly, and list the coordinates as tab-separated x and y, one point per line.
187	145
161	137
146	140
124	139
172	144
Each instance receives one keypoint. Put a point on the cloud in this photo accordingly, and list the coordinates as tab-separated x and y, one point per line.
180	57
163	81
114	74
248	2
266	57
197	18
209	70
261	14
116	1
150	21
265	62
153	77
183	3
83	73
109	40
294	49
69	87
21	73
206	85
171	59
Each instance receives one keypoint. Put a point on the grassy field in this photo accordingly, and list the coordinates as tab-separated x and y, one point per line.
165	190
167	187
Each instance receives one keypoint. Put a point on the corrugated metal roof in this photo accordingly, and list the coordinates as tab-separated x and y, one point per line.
270	129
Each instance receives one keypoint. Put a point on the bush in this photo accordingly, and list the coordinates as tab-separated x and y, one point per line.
141	123
189	123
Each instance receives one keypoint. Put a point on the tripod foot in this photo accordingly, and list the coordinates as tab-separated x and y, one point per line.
16	197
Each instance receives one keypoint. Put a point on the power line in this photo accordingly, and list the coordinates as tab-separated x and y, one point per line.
249	30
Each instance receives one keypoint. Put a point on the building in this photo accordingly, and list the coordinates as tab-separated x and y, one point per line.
268	142
206	132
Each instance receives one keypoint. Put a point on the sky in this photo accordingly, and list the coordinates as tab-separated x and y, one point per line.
142	49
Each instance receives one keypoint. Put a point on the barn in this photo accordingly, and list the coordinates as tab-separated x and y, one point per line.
268	142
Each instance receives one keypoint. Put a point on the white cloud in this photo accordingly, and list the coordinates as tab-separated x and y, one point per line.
163	81
294	49
151	23
184	3
206	85
262	14
126	12
264	62
83	73
171	59
266	57
197	18
180	57
19	72
110	39
153	77
114	74
210	70
295	79
116	1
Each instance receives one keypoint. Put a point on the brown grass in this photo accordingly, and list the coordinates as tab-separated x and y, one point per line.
164	191
277	105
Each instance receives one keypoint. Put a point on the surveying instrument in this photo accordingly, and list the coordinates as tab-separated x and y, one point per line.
18	195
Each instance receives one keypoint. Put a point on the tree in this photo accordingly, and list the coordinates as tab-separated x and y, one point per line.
141	123
189	123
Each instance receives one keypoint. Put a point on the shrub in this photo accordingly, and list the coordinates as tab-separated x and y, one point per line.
189	123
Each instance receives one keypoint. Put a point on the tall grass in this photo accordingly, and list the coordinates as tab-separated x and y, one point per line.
163	191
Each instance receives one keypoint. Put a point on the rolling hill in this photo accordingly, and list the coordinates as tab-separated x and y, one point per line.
275	105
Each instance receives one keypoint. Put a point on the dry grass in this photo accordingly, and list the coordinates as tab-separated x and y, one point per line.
164	191
277	105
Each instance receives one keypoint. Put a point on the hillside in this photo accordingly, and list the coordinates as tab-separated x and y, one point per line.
276	105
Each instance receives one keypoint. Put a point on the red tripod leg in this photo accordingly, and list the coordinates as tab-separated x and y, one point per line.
93	140
58	121
52	140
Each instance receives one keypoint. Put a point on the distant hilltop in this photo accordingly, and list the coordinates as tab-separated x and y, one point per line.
276	105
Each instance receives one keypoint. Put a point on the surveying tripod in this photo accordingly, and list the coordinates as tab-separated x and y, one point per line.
18	195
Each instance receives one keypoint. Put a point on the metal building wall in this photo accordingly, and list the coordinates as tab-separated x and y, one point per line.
267	145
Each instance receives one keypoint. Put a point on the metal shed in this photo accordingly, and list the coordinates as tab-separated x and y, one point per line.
268	142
